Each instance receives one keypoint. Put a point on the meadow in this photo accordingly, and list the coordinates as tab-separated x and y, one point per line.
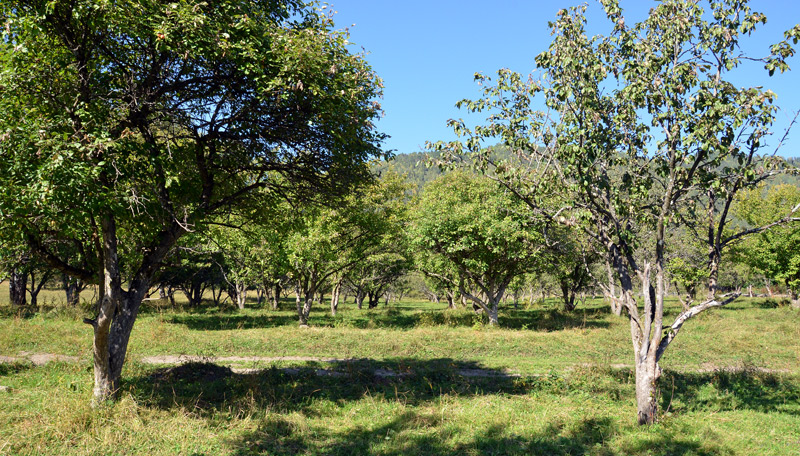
407	378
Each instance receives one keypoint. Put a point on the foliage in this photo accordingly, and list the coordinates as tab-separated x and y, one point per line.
639	123
472	223
774	252
125	125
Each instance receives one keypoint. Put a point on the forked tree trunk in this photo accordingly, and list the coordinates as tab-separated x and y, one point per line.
238	292
373	299
337	289
72	289
114	322
451	302
568	297
36	288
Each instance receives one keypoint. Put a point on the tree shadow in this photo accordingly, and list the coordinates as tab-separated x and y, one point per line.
401	437
669	445
391	318
228	321
406	435
555	319
13	368
730	389
208	388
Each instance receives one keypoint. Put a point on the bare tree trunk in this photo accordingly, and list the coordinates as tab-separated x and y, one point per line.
35	288
451	303
360	295
239	294
299	302
568	295
17	285
714	258
72	289
337	289
114	322
305	311
769	289
647	373
276	296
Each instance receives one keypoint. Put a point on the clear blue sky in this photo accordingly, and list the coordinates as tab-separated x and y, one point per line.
427	52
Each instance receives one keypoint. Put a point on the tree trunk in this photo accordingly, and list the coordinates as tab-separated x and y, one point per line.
305	310
451	302
114	322
714	258
17	285
298	301
72	289
37	287
360	295
373	299
337	289
647	374
276	296
568	296
239	294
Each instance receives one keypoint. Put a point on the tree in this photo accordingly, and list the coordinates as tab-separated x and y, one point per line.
638	123
127	124
774	252
569	260
325	243
475	225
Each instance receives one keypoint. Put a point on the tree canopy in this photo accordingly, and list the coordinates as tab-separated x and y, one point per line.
126	124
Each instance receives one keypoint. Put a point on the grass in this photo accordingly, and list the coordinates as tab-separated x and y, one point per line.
731	384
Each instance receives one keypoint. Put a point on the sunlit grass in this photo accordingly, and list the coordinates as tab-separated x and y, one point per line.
573	393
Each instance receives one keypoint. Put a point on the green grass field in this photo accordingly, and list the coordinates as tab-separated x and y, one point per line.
550	383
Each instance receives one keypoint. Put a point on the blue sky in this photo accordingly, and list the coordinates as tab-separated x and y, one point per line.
427	52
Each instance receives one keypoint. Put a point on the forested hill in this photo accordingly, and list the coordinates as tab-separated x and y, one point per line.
414	166
417	169
419	173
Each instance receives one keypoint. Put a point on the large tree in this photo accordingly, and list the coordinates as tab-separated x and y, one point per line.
638	124
478	228
127	124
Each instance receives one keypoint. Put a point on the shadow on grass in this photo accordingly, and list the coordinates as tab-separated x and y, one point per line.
282	400
412	433
415	432
209	388
7	369
720	390
228	321
393	318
